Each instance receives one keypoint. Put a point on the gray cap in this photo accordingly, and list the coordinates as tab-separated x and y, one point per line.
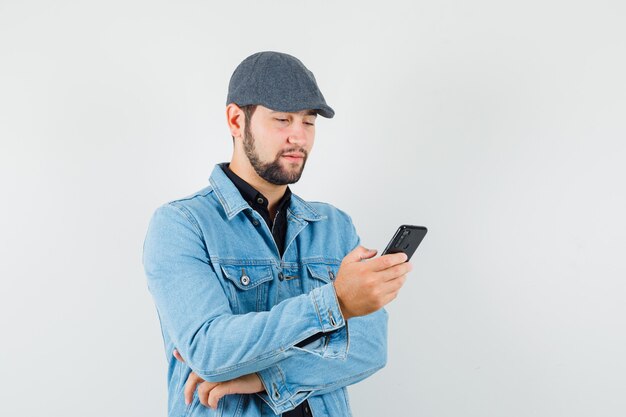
277	81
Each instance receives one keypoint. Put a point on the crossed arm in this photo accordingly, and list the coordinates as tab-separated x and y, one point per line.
307	372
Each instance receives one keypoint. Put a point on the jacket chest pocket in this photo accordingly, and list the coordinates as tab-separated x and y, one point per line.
249	286
321	273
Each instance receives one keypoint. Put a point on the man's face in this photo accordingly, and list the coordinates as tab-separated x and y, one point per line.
278	143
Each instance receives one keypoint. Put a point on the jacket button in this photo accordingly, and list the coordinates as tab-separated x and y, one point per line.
245	280
255	222
332	319
331	274
281	276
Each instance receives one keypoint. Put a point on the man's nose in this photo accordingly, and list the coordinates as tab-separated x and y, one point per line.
298	133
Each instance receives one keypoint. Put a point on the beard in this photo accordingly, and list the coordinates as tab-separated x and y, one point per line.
272	172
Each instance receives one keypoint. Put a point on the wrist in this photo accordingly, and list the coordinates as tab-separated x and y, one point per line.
344	310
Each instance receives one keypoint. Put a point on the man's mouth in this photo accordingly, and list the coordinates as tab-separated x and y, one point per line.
294	157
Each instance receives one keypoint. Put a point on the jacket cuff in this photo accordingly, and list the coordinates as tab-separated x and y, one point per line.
338	344
276	394
336	341
327	306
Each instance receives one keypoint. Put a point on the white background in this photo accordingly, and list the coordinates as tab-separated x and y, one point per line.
499	125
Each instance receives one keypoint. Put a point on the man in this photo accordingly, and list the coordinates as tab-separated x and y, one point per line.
264	303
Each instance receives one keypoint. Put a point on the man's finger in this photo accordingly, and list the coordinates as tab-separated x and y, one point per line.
204	390
387	261
190	386
218	392
177	356
359	253
396	271
394	285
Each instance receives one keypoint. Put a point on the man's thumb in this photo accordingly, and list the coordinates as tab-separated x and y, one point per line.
359	253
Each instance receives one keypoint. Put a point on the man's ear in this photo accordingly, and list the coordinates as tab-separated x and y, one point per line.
235	119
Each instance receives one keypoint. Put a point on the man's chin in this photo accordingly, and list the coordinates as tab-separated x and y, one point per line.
281	172
292	179
292	167
290	176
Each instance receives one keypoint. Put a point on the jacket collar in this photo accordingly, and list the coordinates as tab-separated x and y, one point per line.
232	202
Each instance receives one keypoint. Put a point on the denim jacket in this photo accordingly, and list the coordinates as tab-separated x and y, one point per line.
232	305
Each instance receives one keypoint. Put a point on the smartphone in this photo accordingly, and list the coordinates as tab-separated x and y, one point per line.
406	239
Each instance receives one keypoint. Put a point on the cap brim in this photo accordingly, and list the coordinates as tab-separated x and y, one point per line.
325	111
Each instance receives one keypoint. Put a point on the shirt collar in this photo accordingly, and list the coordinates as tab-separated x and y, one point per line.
233	201
254	198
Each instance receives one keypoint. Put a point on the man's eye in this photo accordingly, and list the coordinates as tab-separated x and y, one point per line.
282	120
309	123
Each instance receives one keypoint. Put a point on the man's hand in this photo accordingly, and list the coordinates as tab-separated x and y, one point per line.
365	287
209	393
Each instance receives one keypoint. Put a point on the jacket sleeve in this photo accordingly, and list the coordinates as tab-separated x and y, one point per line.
194	310
316	369
322	366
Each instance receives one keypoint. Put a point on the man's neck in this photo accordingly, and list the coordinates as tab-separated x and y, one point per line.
272	192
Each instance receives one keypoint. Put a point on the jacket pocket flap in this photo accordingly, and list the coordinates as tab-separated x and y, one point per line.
324	272
246	277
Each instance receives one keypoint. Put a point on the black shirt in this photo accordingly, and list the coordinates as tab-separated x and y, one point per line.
278	226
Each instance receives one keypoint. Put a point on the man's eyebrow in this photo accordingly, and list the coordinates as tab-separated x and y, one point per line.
308	113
